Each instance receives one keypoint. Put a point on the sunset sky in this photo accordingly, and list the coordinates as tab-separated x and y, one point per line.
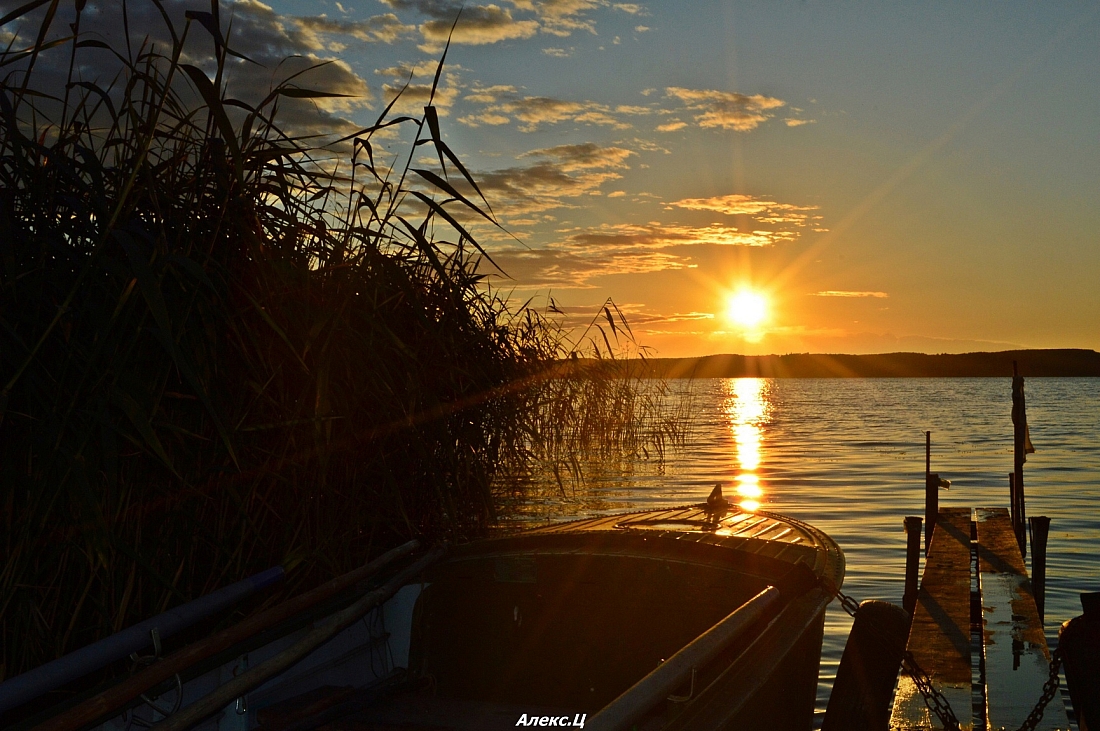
886	176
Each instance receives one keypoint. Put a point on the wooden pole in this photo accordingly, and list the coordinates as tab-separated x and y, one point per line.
1013	505
931	507
1019	435
912	562
1040	529
927	452
931	493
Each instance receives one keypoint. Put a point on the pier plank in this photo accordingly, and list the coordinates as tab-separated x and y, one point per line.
939	636
1017	660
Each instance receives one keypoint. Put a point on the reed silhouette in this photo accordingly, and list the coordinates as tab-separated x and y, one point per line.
225	346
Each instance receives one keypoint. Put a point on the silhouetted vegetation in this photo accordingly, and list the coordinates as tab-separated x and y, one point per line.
223	348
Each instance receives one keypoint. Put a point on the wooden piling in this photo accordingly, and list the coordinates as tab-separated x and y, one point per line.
864	686
1079	639
1040	529
912	562
1019	439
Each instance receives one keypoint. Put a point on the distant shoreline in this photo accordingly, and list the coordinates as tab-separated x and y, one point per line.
1064	362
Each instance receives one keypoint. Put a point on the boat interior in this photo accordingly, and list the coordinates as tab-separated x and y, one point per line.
568	629
551	623
558	626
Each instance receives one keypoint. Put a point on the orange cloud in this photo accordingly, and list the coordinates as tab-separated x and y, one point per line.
765	211
654	235
316	31
532	112
484	24
552	176
726	109
846	293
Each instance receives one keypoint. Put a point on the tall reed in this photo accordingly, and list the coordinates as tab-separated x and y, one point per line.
223	348
594	415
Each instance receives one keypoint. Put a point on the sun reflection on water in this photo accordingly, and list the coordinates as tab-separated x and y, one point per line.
748	409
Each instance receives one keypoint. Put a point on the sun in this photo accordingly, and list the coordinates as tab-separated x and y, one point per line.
747	308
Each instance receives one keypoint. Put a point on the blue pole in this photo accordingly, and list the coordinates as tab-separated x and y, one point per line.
55	674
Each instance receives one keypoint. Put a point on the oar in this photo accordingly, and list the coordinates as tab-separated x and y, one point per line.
210	704
100	706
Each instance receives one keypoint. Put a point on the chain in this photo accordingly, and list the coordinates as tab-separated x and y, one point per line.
1050	689
849	604
933	698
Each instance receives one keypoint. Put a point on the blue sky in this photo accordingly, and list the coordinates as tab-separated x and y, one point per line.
890	176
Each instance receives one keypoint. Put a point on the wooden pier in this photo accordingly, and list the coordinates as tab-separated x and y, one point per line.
975	585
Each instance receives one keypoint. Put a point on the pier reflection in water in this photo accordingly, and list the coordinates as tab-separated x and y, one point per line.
748	410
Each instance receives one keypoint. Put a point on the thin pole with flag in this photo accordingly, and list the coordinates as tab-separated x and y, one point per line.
1021	447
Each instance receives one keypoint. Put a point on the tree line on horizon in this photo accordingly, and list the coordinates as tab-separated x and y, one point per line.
1064	362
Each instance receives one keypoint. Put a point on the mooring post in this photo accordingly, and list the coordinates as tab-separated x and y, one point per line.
864	685
912	562
1019	438
1040	529
1079	639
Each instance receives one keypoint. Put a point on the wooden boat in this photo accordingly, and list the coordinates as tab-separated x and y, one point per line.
680	618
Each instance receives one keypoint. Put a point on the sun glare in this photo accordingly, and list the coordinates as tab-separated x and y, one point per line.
747	308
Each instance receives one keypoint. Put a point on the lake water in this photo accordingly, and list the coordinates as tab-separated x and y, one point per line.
847	455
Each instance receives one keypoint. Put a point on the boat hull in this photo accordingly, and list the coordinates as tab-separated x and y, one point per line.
569	617
551	624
